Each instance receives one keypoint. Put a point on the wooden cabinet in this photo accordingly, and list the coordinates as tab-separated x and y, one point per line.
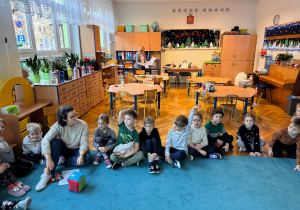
123	41
109	72
235	67
155	41
237	55
145	39
136	40
76	93
212	70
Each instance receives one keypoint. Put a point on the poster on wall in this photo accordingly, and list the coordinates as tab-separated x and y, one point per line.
190	39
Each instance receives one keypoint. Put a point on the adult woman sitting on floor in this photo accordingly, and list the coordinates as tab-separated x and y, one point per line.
69	137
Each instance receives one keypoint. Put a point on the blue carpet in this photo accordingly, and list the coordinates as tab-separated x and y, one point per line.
230	183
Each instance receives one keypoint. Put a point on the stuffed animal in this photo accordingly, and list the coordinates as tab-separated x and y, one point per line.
26	75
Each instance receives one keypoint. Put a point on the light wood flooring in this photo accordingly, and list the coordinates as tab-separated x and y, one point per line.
271	118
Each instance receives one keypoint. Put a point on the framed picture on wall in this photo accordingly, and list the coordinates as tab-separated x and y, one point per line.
190	39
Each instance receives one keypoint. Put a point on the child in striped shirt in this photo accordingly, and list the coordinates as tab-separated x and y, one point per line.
178	138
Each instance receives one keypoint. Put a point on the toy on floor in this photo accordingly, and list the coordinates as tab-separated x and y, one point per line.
57	177
76	181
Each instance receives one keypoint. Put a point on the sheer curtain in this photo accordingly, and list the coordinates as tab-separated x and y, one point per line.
77	12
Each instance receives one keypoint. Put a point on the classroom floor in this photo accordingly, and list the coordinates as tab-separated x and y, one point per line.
272	117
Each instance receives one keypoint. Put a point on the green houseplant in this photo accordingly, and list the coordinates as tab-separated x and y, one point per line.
73	58
46	68
283	58
34	65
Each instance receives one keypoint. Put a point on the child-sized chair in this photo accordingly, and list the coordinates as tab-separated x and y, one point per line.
206	99
124	101
254	106
192	86
229	105
50	112
150	98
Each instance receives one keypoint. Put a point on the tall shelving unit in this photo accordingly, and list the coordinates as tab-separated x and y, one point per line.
127	44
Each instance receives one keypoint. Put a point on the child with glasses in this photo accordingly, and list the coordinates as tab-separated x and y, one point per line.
104	140
151	144
177	140
198	143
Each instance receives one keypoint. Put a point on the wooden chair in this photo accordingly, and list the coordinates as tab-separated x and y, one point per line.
50	112
191	89
133	79
150	97
157	80
206	99
140	72
168	86
254	106
126	80
111	81
123	98
231	106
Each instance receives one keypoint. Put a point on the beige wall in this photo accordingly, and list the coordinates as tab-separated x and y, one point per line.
241	14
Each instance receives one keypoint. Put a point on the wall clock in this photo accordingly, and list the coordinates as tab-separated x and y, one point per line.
276	20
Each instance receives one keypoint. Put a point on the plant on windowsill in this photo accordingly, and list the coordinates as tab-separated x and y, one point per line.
282	58
46	68
59	64
73	58
34	65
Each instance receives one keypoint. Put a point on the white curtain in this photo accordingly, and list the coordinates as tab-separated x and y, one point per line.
77	12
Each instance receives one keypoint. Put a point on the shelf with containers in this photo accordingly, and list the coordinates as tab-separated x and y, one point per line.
127	60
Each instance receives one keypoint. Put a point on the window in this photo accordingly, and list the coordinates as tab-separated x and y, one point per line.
22	32
102	39
63	32
45	39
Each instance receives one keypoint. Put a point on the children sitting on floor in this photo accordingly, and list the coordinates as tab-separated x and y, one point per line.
297	113
247	137
104	140
127	151
18	167
287	139
7	180
32	148
214	128
151	144
177	140
198	144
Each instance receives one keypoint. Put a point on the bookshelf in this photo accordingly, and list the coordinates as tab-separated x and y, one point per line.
127	60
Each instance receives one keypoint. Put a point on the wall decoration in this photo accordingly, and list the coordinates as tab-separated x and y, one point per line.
190	19
283	37
190	39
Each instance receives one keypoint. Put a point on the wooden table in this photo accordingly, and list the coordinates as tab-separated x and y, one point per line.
135	89
183	70
218	80
223	91
149	78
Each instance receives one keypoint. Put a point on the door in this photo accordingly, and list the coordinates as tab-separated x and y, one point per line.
155	41
128	41
241	47
119	41
226	69
145	39
228	47
136	41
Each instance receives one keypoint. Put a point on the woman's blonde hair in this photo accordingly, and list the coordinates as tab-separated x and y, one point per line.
141	48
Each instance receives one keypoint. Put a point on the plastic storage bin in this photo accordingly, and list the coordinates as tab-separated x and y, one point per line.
291	104
144	28
243	31
129	28
121	28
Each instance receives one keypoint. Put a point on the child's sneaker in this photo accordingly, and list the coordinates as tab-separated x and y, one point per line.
24	204
157	167
242	149
16	191
97	160
151	168
177	163
23	186
43	182
108	163
116	165
61	160
215	156
191	157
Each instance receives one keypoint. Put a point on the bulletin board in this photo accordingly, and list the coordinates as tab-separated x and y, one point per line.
283	37
190	39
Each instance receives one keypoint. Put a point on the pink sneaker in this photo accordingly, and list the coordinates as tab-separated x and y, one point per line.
16	191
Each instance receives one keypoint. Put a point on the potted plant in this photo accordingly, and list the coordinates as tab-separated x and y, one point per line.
58	64
34	65
73	58
283	58
46	68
